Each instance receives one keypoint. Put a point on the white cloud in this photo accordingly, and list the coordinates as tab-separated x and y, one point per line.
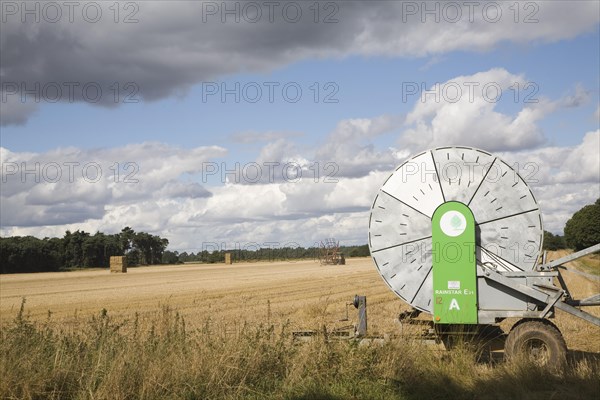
303	212
560	165
579	97
277	151
70	185
464	112
300	211
563	179
558	202
350	146
347	151
582	165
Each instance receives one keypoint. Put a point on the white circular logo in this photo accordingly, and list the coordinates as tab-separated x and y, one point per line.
453	223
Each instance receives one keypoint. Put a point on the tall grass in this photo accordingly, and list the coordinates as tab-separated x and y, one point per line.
162	358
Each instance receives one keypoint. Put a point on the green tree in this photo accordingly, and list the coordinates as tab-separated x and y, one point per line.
93	251
133	257
112	247
360	251
73	248
29	254
170	257
554	242
583	229
142	243
159	246
127	235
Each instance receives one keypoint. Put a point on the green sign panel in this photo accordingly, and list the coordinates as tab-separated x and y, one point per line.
454	267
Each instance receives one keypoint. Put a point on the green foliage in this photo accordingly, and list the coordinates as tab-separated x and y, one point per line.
170	257
554	242
583	229
30	254
78	250
360	251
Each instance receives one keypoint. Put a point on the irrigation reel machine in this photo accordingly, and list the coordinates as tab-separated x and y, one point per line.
456	233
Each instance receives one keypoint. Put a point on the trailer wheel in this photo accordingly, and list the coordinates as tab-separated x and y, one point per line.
538	341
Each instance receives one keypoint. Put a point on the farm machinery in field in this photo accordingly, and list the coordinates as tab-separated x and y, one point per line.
456	233
329	253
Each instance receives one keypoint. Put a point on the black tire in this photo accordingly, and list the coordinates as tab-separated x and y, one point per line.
537	341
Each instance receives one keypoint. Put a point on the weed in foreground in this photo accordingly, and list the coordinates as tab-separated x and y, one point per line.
161	358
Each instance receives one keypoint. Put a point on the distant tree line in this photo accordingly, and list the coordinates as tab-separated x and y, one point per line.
79	249
259	254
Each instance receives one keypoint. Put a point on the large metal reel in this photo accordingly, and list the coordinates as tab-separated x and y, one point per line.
509	230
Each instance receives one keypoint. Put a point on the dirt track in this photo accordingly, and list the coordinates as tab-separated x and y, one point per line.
303	292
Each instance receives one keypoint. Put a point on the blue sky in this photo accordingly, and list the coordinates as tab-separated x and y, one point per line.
367	87
367	58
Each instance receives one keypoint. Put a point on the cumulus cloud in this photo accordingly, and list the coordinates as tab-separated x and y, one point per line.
167	203
558	202
71	185
563	179
555	165
582	164
167	47
463	111
580	96
302	211
347	151
348	227
350	146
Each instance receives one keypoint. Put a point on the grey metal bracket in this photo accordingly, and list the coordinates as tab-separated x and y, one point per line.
563	284
551	304
503	280
591	301
570	257
588	301
578	313
525	274
541	296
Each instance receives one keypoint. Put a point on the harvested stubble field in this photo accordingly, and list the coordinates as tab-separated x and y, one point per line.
302	292
224	331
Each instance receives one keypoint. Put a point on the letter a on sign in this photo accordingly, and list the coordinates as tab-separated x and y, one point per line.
454	305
